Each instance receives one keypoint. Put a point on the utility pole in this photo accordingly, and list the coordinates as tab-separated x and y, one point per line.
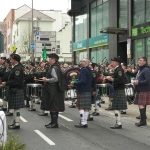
32	40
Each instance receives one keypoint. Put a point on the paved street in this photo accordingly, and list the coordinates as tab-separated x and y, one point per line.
98	136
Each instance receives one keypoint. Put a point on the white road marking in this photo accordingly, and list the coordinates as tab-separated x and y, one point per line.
68	102
24	120
44	137
65	118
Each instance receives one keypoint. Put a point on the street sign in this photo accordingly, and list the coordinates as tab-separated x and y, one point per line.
32	46
37	33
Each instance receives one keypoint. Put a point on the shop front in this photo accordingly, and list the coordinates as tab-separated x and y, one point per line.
80	50
99	48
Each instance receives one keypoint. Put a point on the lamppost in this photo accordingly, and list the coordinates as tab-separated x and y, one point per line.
32	40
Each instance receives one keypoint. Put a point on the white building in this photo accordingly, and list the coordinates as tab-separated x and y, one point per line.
44	20
64	43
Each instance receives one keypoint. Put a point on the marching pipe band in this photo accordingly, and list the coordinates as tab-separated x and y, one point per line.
103	73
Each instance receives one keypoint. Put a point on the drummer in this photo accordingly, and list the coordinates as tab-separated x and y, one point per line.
119	101
110	72
29	78
7	71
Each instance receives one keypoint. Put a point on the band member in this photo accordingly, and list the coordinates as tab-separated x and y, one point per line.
83	92
7	71
110	72
15	95
95	99
29	78
142	88
53	91
119	101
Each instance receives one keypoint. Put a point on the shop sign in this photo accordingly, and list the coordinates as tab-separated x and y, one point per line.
141	30
99	41
81	45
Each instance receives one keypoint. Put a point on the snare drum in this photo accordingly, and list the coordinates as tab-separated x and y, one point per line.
70	94
34	90
103	89
129	90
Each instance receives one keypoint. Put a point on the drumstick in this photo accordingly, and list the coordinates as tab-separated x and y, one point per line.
38	80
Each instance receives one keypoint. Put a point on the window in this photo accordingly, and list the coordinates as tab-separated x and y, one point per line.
9	39
80	55
148	49
139	48
81	26
98	54
123	14
99	17
71	46
147	10
58	47
139	12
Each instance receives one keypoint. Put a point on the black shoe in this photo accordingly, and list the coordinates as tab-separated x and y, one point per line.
52	126
48	124
37	102
43	114
8	114
123	112
143	123
96	114
139	117
90	119
32	109
116	126
109	108
81	125
13	127
72	106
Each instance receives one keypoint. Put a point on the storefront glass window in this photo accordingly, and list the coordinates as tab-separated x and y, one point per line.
105	15
80	55
148	49
147	10
123	14
98	54
81	27
99	17
139	12
93	22
139	49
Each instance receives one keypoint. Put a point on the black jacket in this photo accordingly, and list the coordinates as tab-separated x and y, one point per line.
118	78
16	77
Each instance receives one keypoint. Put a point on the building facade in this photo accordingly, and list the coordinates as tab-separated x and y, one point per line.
108	28
18	31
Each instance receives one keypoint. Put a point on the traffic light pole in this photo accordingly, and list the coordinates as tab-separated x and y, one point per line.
32	37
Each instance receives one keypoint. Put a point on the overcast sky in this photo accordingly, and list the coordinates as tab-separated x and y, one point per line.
7	5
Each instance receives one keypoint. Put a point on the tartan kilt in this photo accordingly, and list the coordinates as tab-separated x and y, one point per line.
120	100
84	100
15	101
142	98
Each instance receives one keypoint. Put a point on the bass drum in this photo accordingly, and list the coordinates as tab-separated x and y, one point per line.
70	75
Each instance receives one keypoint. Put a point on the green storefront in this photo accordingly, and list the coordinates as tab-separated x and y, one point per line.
98	48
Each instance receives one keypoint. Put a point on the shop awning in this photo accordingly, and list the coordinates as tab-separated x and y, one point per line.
113	30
